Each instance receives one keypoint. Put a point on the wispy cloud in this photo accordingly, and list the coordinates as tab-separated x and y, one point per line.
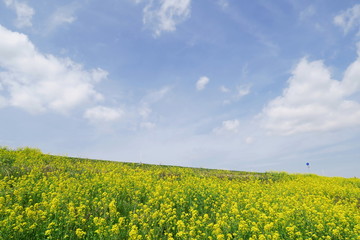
147	125
152	97
249	140
23	11
228	126
62	15
314	101
308	12
224	89
202	82
101	114
239	92
145	110
255	30
223	3
164	15
242	91
349	19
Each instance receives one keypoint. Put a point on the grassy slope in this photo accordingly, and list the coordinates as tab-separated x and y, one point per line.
44	196
23	160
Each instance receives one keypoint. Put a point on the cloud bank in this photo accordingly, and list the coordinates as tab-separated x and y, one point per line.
38	82
314	101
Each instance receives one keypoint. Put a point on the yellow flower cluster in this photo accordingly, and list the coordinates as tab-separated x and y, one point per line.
52	197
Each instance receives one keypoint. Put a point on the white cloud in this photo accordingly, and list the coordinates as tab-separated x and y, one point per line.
224	89
228	126
152	97
103	114
226	102
37	82
349	19
313	101
147	125
249	140
164	15
242	91
62	15
307	12
156	95
202	82
145	110
223	3
23	11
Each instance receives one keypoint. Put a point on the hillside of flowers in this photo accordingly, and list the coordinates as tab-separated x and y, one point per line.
55	197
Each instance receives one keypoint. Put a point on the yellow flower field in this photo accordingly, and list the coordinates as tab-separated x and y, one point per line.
53	197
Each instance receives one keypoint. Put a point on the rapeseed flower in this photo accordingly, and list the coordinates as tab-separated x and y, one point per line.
65	198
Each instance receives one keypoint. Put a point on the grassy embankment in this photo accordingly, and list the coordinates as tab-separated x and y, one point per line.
54	197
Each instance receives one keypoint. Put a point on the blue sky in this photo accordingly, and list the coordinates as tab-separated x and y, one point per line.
242	85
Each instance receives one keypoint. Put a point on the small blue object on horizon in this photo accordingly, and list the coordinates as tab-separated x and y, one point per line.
307	164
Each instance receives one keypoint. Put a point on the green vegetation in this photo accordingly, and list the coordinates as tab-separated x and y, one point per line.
53	197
